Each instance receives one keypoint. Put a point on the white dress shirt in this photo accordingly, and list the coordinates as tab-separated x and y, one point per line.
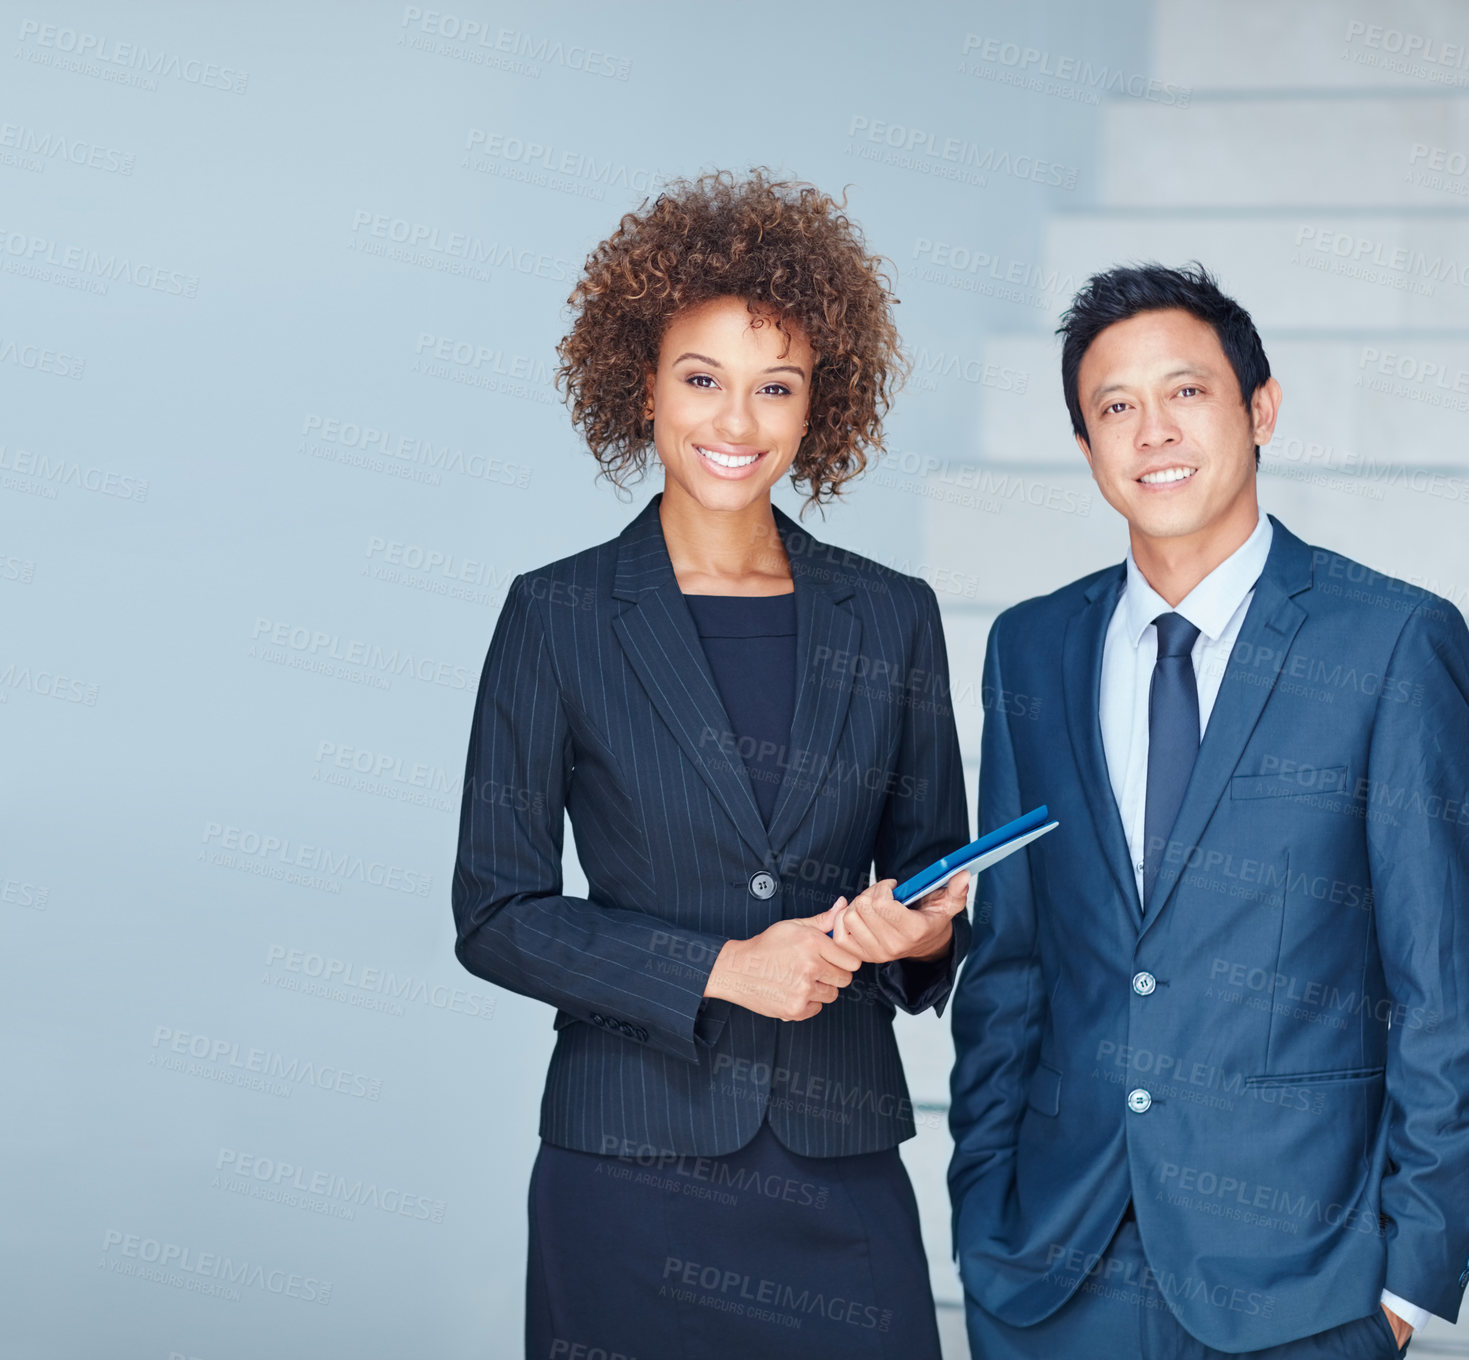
1217	608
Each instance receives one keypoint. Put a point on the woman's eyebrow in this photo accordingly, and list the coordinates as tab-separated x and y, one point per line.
714	363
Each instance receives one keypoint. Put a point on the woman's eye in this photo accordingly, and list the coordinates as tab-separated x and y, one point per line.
700	380
776	390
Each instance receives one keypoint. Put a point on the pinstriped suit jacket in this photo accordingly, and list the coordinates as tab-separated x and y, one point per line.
596	701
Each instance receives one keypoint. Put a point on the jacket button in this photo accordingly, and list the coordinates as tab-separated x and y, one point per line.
762	885
1139	1101
1144	984
598	1019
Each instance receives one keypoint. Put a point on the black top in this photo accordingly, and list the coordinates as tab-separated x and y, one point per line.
750	641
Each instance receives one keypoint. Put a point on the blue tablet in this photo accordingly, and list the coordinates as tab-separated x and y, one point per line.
977	855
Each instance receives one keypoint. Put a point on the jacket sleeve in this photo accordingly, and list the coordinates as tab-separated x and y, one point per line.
627	972
926	814
998	1003
1417	812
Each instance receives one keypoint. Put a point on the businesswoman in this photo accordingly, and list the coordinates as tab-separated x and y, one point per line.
740	722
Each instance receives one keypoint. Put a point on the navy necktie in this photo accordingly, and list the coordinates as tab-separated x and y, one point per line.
1173	738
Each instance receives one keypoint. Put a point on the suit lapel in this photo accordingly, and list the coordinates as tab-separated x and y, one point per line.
1082	678
828	637
662	646
1255	663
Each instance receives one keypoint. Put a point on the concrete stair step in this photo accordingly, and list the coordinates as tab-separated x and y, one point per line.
1294	268
1365	404
1410	528
1380	150
1260	44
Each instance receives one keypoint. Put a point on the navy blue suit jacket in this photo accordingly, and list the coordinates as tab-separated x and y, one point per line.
1274	1063
597	702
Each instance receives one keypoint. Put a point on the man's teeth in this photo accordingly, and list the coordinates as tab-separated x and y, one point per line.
728	460
1174	474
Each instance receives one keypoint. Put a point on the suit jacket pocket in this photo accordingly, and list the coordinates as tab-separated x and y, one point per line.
1315	1078
1302	782
1044	1096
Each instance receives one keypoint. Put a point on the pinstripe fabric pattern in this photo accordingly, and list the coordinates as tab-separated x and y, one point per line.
597	703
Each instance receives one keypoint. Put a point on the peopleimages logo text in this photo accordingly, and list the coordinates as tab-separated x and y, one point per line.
50	42
918	144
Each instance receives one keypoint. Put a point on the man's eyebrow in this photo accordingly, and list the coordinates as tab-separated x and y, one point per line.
1188	371
714	363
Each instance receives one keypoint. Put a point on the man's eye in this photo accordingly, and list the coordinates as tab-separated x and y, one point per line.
1116	407
1187	391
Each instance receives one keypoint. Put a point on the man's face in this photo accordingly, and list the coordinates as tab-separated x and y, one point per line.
1171	442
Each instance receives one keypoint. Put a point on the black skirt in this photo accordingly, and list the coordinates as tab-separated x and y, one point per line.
757	1255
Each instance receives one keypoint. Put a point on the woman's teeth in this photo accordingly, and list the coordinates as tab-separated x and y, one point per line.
1174	474
728	460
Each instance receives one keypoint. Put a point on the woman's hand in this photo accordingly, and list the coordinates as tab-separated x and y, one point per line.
789	971
880	930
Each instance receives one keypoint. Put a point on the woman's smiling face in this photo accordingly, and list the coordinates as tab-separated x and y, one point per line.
729	400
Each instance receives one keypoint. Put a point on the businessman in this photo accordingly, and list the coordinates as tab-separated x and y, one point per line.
1212	1087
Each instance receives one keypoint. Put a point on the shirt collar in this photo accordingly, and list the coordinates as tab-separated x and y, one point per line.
1211	604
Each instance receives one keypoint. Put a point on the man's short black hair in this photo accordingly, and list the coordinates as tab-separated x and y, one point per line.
1124	292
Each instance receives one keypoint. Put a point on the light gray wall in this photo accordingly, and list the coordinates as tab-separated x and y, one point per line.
239	634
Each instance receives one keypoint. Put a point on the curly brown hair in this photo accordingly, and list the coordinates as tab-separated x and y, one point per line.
785	248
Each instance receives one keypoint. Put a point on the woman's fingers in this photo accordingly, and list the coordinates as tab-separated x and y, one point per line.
951	899
863	938
839	952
